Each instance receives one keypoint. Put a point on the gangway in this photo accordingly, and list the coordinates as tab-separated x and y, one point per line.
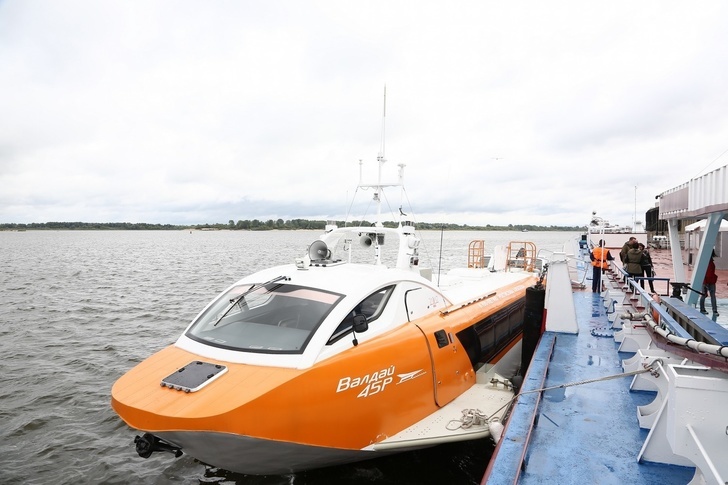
704	197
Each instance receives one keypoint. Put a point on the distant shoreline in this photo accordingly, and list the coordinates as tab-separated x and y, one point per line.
256	225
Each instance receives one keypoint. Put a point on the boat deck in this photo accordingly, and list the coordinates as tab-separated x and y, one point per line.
585	433
444	425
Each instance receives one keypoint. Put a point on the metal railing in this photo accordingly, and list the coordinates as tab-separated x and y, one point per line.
675	315
640	280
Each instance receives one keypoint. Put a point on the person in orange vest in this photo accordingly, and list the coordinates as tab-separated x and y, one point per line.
600	258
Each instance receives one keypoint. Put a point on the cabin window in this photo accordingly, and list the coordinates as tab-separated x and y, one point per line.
489	336
371	307
268	318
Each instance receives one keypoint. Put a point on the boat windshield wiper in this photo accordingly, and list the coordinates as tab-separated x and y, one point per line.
234	301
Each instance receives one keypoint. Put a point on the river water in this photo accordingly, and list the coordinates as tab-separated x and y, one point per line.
80	308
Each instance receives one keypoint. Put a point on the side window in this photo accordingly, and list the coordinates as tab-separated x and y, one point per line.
371	307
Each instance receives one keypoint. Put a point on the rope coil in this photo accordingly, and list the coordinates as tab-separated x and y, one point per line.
470	418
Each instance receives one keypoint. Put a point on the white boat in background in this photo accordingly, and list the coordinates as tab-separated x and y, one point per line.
614	236
345	354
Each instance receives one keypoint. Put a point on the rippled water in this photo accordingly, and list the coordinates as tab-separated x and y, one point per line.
80	308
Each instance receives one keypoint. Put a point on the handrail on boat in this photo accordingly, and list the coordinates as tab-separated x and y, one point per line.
476	254
637	279
659	313
521	254
676	321
575	265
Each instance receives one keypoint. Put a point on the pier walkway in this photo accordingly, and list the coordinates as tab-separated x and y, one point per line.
585	433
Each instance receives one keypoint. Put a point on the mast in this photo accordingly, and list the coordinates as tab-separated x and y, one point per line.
384	119
381	160
379	185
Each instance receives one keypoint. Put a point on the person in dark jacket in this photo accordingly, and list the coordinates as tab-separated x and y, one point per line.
623	252
647	269
633	261
627	246
709	287
600	258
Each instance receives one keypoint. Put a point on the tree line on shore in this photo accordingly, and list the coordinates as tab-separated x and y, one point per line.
270	224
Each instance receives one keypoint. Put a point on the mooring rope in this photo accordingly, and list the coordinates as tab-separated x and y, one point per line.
647	368
476	417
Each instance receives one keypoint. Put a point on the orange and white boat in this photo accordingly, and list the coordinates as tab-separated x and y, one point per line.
337	357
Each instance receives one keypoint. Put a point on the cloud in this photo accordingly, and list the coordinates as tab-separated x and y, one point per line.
188	112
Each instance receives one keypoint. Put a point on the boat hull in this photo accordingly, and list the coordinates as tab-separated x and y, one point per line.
257	456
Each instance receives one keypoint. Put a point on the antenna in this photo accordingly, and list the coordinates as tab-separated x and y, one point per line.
634	220
384	118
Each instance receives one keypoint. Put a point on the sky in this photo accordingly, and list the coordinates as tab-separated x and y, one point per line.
200	112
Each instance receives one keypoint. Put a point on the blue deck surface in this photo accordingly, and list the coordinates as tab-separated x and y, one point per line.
582	434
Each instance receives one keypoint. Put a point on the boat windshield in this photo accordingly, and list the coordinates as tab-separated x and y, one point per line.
268	318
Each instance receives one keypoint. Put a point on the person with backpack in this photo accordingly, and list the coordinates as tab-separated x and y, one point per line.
633	260
647	268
